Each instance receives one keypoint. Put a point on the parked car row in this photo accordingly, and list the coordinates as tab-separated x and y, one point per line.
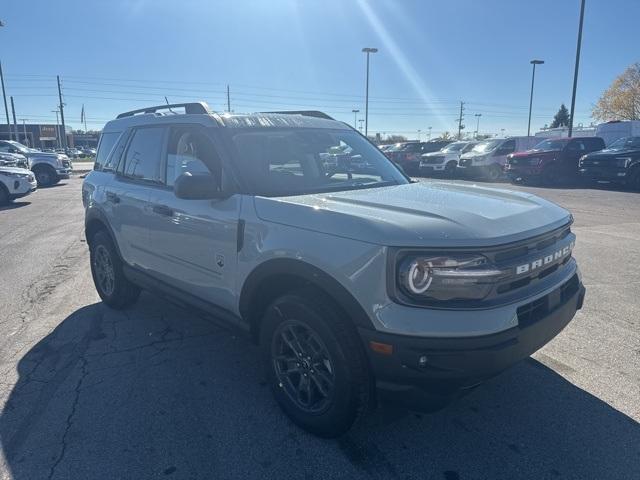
48	167
73	152
525	159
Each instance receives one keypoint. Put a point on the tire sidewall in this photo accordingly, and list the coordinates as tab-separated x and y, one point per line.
341	414
51	176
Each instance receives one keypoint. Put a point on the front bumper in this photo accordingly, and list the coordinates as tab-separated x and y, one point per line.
472	171
431	169
455	364
63	172
604	173
22	187
522	171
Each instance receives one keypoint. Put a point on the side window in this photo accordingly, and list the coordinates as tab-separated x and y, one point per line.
576	146
190	150
142	159
107	142
507	147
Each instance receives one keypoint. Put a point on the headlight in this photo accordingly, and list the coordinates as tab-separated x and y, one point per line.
440	278
623	162
16	175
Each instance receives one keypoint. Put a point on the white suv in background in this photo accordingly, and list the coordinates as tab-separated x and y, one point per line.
15	183
444	161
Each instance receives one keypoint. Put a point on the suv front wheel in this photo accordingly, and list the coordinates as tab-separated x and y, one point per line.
106	268
315	364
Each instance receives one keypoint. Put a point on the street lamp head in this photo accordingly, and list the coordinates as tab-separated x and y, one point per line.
369	50
355	111
536	62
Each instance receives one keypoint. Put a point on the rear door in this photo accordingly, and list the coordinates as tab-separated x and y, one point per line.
194	242
507	147
128	195
575	149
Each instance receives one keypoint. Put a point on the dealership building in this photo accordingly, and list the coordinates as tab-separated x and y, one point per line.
38	135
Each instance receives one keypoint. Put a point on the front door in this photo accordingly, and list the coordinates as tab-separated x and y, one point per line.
194	241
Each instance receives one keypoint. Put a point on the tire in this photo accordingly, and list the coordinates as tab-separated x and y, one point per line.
550	176
450	169
635	180
330	388
45	175
106	269
5	198
494	173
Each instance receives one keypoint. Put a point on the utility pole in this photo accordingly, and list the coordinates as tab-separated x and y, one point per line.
4	96
368	51
15	124
575	73
478	115
460	125
64	131
228	100
24	129
57	129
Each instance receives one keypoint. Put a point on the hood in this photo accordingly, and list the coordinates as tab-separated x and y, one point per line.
14	170
436	154
607	153
421	214
534	153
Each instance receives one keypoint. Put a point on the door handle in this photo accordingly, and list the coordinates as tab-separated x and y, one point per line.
112	197
163	210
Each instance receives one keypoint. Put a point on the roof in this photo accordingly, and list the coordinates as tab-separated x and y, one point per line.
200	113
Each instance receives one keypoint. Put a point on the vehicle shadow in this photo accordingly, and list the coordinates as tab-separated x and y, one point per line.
157	391
13	205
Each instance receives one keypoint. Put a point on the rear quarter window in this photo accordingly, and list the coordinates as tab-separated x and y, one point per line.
105	148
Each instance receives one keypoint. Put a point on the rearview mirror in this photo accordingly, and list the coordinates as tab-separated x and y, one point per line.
198	186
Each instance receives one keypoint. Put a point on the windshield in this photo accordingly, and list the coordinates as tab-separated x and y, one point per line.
454	147
20	147
486	146
625	143
280	162
550	145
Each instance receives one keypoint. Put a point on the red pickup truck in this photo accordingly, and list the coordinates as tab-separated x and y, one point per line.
552	160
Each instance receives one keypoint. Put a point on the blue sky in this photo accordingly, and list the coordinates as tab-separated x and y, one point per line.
118	55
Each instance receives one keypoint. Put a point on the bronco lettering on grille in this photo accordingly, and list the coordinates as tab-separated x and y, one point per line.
546	260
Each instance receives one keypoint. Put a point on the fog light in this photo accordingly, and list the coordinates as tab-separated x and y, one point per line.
422	361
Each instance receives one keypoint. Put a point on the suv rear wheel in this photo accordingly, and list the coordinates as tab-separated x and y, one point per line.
315	364
494	172
106	268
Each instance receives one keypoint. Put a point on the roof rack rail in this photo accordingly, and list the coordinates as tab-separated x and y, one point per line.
194	107
306	113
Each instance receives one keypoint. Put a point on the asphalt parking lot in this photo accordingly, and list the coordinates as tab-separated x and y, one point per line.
158	392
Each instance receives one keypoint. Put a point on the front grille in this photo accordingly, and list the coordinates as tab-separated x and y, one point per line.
523	254
432	160
533	312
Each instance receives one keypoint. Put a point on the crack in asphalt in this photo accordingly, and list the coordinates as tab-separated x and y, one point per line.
69	421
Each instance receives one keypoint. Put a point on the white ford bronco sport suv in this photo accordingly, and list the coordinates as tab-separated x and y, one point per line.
358	284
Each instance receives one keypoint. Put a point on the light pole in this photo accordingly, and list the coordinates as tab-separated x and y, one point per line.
575	73
367	50
355	118
429	133
477	115
361	121
502	131
419	135
533	79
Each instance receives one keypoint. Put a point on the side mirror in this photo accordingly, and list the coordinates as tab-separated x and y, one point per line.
198	186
